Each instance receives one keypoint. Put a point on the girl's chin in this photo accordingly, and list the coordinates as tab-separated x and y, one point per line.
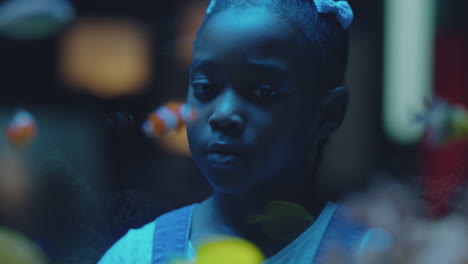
228	186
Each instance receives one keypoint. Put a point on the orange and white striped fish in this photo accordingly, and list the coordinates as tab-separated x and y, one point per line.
173	115
22	129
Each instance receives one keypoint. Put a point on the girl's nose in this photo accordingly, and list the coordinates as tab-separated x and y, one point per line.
226	116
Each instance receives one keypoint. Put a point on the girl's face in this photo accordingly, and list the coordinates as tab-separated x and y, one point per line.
258	119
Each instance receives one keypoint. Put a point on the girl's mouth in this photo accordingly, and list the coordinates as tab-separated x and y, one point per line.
223	155
224	159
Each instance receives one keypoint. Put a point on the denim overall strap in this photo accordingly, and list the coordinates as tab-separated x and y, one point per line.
171	235
343	232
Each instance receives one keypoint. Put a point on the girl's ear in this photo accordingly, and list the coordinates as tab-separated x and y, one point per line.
334	104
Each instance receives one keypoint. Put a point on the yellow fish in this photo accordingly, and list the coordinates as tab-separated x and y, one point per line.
17	249
227	250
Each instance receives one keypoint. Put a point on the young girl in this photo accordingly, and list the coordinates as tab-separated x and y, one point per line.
266	78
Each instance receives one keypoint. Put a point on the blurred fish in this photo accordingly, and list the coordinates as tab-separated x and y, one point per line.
17	249
282	220
30	19
22	129
229	251
226	250
445	123
169	117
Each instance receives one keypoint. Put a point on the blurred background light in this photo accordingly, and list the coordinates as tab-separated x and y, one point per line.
106	57
29	19
191	17
15	187
408	53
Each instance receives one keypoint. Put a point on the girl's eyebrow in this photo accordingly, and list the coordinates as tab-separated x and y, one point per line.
264	65
267	65
196	63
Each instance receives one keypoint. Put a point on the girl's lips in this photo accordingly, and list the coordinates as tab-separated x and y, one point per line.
223	149
224	159
224	155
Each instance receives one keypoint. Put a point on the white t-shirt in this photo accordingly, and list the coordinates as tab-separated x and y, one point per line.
137	245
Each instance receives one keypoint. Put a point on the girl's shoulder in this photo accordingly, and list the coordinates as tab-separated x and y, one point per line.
134	247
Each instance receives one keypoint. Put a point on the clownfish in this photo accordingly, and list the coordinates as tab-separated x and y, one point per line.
22	129
169	117
445	123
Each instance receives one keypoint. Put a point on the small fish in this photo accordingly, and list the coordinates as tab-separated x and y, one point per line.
282	220
33	19
15	248
169	117
226	250
22	129
445	123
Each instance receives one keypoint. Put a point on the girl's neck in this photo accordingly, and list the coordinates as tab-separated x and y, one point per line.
228	214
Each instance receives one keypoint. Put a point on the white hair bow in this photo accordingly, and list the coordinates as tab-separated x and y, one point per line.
342	10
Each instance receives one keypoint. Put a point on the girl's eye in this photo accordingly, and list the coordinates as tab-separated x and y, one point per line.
203	89
264	92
